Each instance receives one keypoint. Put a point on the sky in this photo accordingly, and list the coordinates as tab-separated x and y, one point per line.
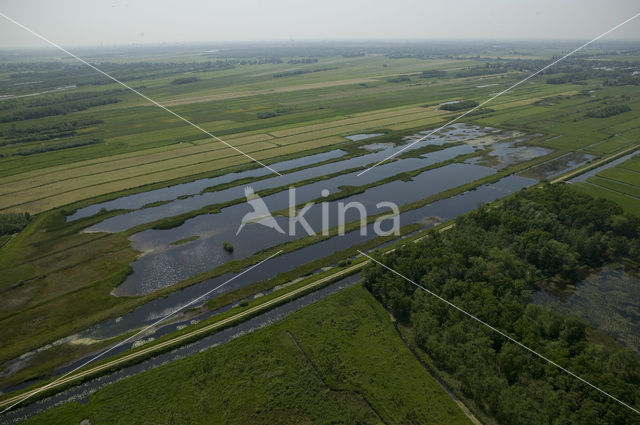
116	22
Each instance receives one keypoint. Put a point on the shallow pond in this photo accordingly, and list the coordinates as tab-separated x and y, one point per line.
164	264
169	193
557	166
131	219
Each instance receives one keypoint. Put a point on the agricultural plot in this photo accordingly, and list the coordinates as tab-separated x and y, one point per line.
607	183
614	144
620	183
622	174
630	205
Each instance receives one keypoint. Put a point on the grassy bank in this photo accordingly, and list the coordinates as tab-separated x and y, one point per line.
338	361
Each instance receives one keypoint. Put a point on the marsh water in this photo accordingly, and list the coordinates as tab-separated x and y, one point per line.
170	193
443	209
151	311
608	299
165	263
584	176
81	392
558	166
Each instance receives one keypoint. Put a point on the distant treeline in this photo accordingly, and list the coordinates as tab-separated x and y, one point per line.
457	106
260	61
301	71
47	132
480	111
46	75
576	71
48	147
608	111
433	73
487	69
271	114
56	104
399	79
11	223
303	60
487	265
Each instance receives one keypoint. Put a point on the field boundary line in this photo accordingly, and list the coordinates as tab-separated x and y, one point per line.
500	93
57	46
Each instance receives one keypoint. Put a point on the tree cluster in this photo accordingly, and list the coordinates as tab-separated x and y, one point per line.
301	71
399	79
608	111
47	75
271	114
11	223
457	106
57	104
302	60
57	130
48	147
433	73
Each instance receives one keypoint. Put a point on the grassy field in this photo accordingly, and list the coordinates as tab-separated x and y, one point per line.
339	361
620	183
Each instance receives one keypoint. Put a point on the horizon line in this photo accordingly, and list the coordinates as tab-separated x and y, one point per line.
195	43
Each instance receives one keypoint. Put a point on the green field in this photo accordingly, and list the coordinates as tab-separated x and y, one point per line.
620	183
351	367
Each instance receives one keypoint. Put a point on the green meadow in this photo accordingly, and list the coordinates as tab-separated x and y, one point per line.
339	361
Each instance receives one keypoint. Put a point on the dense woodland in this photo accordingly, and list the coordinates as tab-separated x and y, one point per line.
50	105
11	223
488	264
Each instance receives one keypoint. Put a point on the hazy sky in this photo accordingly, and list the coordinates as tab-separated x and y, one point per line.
110	22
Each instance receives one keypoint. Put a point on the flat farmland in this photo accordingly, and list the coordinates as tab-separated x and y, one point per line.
629	204
135	170
624	188
622	174
619	183
52	187
614	144
271	117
